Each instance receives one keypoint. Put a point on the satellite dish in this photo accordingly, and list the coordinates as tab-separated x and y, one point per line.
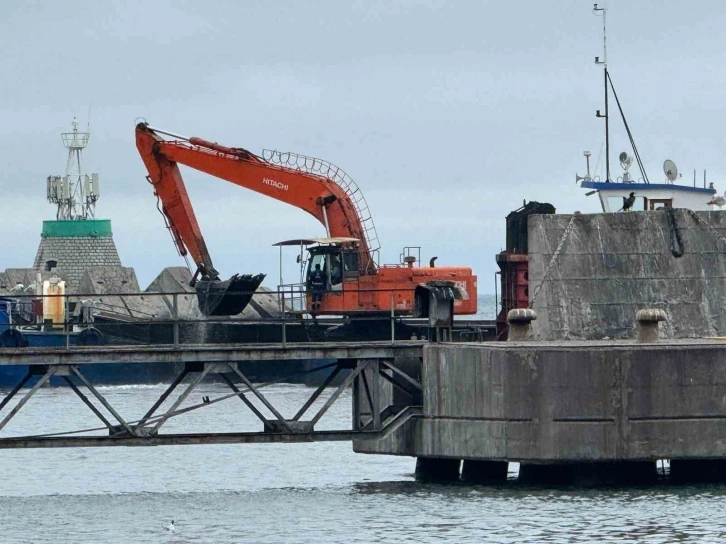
671	170
625	160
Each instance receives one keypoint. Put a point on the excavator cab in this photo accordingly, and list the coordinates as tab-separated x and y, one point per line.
337	263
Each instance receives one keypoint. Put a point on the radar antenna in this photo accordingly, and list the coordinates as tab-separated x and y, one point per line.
587	177
76	193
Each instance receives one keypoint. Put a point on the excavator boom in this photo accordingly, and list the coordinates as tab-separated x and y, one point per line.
319	196
354	283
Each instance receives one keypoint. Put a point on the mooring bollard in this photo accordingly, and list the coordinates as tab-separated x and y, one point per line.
646	325
520	324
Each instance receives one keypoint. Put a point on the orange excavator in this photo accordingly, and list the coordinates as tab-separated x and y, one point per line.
354	284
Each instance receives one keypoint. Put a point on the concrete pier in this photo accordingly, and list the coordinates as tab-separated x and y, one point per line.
570	412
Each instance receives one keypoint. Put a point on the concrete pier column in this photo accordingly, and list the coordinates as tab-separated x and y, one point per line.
520	324
646	325
432	469
484	472
698	470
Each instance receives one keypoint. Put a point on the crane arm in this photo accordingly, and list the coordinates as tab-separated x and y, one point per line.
319	196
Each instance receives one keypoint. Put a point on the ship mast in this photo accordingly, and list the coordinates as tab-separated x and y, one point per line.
75	194
602	12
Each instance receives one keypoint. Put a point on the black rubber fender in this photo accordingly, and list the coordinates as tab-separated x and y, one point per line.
13	338
90	337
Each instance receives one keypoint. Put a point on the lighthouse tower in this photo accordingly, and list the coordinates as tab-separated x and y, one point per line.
75	241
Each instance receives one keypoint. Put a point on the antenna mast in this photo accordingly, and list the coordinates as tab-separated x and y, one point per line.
76	193
601	12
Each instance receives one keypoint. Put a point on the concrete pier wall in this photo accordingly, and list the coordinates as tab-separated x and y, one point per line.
613	265
568	402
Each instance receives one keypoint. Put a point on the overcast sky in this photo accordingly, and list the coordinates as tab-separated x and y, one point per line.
447	114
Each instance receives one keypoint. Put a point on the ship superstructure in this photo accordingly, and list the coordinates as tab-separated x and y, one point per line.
629	193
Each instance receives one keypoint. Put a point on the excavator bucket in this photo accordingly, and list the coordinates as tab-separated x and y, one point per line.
228	297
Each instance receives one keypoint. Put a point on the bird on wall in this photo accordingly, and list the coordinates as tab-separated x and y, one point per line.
628	203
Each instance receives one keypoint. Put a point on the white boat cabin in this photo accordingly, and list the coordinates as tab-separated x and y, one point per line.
651	196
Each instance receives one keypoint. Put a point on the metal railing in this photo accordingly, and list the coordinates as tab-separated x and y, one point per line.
292	297
312	165
173	318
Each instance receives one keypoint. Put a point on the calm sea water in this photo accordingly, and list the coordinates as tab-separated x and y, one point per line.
486	308
298	493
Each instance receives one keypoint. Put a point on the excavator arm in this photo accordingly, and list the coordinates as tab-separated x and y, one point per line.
178	212
321	197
